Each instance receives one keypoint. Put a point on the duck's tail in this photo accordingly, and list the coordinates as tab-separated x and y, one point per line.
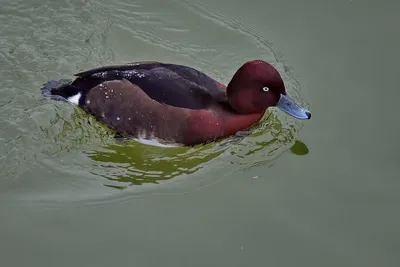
62	90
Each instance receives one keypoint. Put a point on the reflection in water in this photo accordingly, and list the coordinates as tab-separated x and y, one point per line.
131	163
134	163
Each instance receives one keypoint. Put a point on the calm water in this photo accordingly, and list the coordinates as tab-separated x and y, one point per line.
319	193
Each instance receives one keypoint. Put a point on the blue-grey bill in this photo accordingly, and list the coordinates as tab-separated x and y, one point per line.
288	105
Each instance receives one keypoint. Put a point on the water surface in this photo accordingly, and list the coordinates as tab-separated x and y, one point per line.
319	193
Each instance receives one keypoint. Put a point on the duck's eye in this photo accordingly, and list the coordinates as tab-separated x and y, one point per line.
265	89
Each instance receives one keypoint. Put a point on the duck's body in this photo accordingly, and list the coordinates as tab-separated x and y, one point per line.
152	100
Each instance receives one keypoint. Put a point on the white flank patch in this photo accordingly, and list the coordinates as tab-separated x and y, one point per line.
154	142
150	139
75	98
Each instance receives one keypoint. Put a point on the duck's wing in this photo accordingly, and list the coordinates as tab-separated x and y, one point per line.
124	107
171	84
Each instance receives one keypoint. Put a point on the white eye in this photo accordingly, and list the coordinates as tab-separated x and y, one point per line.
265	89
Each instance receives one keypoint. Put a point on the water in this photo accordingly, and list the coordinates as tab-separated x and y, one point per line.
319	193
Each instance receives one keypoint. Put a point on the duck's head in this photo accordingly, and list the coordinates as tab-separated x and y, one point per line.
257	86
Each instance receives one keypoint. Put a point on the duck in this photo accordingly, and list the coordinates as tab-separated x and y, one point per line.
176	104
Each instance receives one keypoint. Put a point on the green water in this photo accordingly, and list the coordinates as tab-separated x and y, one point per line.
318	193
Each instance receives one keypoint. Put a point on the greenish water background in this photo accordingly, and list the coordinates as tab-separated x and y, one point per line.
71	195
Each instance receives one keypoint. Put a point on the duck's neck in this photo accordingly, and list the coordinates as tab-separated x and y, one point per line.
241	98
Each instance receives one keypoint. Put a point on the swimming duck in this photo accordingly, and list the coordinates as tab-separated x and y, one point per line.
176	104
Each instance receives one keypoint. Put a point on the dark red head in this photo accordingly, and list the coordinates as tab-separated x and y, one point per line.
256	86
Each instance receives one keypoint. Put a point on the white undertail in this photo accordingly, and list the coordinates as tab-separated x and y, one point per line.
75	98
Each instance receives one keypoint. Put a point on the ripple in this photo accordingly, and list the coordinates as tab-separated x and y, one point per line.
55	154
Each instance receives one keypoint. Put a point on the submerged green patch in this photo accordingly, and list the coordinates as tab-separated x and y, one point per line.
299	148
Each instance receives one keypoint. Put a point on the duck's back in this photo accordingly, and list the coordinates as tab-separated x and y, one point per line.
171	84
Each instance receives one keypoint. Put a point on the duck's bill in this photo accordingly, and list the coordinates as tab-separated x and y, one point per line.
288	105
